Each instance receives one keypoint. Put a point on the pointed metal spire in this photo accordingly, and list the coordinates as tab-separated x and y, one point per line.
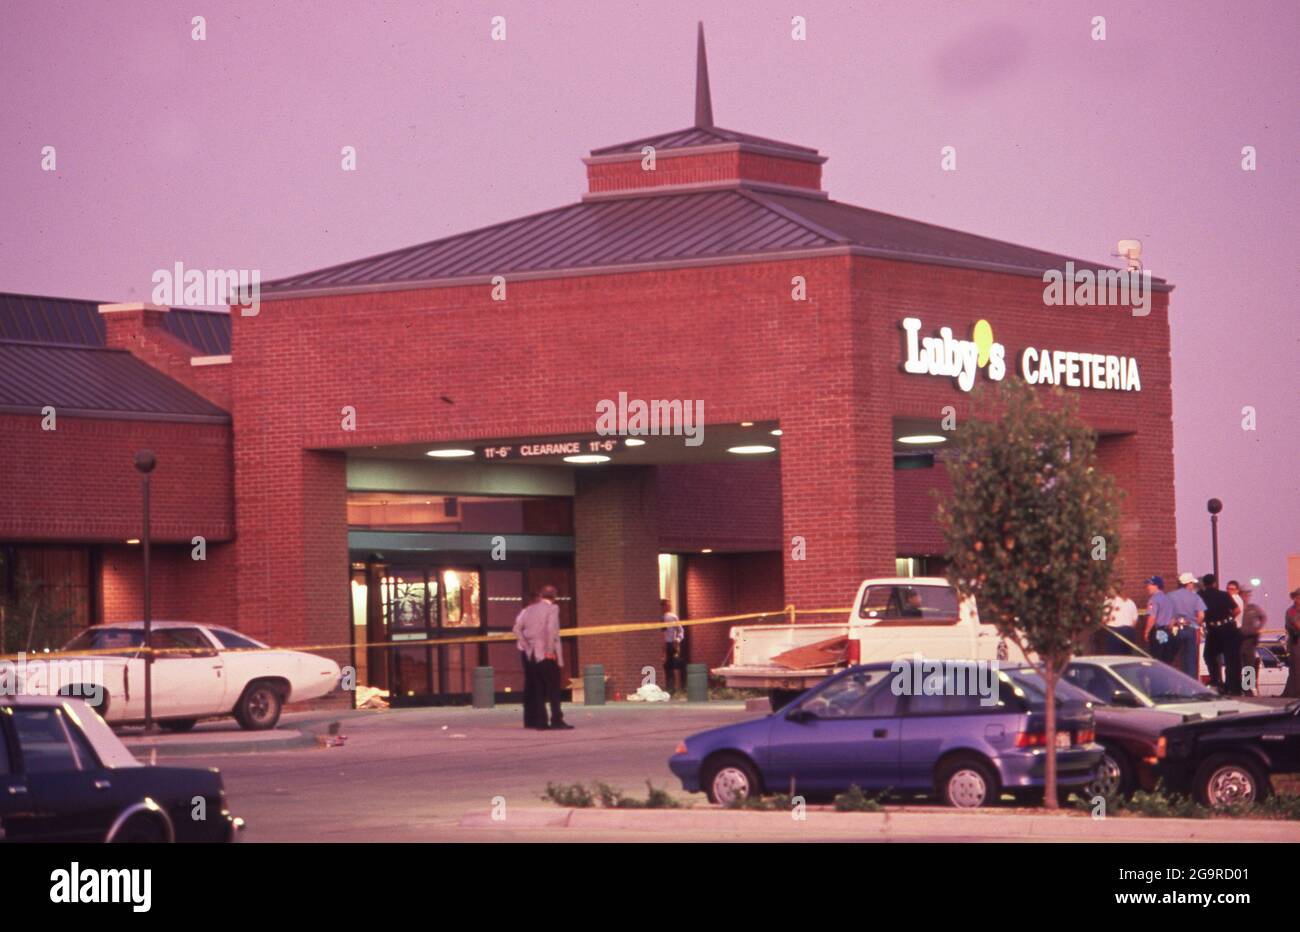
703	99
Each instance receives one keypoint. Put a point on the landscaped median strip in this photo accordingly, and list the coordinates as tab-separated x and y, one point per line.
724	824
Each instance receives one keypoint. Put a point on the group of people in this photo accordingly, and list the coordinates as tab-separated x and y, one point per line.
1171	629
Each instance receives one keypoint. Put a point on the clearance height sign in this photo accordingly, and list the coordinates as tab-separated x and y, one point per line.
943	355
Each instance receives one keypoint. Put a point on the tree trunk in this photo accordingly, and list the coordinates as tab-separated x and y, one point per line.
1049	790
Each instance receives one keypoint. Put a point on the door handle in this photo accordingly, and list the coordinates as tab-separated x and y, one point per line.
102	785
880	733
17	790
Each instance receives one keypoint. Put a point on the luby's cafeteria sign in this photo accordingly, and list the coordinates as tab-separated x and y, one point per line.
945	355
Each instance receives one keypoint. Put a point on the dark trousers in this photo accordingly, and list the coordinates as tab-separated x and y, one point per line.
534	711
548	673
1223	648
1249	653
674	667
1111	643
1160	644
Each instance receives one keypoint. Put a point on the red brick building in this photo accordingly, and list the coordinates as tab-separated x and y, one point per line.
375	479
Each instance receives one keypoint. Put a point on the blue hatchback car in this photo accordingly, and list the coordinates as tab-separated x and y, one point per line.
869	727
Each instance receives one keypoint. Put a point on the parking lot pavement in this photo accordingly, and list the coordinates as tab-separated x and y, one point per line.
433	775
411	774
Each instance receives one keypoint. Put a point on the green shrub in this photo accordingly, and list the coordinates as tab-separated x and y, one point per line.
569	795
854	800
578	796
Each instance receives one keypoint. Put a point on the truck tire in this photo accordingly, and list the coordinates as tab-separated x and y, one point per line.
780	698
1229	779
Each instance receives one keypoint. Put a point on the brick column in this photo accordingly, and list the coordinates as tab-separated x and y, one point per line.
616	536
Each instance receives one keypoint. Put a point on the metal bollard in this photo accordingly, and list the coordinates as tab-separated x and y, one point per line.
484	688
593	684
697	682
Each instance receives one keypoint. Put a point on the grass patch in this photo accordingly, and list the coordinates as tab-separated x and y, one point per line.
603	796
1160	803
855	800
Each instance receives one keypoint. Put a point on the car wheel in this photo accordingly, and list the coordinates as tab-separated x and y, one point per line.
178	724
1114	777
967	783
1229	781
259	707
141	830
94	695
729	779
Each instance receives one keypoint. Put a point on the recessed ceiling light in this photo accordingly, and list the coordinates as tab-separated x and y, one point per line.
746	423
923	438
584	459
1254	580
633	442
450	454
707	550
751	450
778	432
134	540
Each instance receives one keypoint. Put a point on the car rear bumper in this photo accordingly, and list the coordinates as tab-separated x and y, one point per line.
1074	766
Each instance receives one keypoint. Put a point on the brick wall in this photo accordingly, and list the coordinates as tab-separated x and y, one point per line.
702	168
725	506
79	482
183	589
728	584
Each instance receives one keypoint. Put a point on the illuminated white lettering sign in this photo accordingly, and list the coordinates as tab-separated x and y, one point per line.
945	355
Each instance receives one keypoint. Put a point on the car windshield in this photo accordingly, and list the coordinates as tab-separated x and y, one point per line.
124	640
1031	681
1161	683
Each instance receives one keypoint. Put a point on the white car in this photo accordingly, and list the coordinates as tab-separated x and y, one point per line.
1142	683
206	671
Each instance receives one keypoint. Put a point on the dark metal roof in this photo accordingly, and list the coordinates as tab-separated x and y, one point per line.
667	228
702	136
40	319
90	381
586	235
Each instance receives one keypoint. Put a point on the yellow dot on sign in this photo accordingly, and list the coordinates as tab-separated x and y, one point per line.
983	337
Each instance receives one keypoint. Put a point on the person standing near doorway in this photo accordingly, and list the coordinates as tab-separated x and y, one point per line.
538	631
550	665
674	636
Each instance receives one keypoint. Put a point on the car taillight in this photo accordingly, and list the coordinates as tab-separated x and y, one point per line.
1085	736
1162	748
1031	739
681	748
854	651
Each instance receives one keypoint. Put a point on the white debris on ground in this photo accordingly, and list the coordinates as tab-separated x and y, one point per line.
649	693
372	697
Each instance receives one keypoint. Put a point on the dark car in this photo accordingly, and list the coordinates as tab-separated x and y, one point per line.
1226	761
856	729
64	776
1128	737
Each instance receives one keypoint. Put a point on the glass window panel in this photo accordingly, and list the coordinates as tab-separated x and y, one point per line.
460	599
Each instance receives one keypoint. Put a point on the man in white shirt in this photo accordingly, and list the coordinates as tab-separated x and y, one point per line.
674	635
537	628
1121	620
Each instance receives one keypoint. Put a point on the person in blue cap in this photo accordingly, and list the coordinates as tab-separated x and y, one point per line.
1160	619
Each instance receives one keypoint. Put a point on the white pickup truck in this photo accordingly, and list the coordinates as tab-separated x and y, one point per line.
892	618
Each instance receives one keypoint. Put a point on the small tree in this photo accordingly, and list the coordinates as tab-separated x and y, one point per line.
1031	529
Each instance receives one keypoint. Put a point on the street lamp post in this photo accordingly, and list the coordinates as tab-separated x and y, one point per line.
1214	506
145	461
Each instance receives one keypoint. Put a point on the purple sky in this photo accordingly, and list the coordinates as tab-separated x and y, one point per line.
225	153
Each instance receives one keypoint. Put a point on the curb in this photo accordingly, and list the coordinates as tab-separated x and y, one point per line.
895	825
